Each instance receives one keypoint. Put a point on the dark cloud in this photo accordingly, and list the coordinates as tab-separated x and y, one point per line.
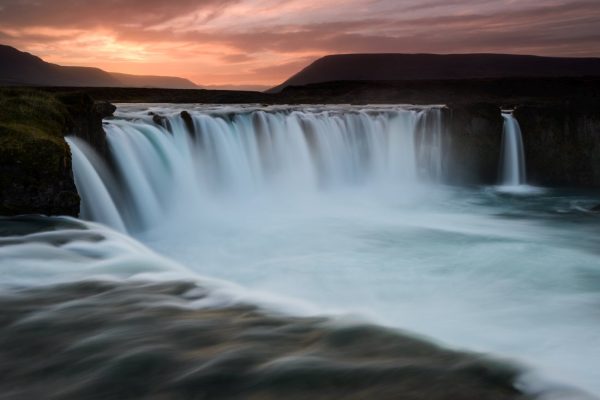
95	13
564	29
255	48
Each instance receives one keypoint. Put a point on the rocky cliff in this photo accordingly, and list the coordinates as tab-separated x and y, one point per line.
561	140
562	143
35	161
473	136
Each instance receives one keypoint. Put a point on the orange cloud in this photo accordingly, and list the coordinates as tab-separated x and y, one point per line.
242	42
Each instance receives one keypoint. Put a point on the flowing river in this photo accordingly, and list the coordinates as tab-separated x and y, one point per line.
337	211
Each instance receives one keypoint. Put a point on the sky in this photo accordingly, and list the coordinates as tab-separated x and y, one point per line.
263	42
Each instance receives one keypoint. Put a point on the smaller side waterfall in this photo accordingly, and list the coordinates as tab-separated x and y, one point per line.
512	161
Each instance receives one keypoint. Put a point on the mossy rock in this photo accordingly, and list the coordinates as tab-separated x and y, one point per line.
35	161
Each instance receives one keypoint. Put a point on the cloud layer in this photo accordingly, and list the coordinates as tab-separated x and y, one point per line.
242	42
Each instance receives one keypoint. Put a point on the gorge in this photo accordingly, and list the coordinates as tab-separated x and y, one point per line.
299	200
309	211
231	190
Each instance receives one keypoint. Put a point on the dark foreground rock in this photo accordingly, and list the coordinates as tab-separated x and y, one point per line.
146	340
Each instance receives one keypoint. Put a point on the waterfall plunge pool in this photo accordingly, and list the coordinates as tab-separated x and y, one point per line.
342	210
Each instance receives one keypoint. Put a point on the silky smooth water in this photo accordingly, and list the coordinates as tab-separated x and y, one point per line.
344	210
513	155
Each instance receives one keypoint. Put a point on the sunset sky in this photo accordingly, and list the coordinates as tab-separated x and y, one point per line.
247	42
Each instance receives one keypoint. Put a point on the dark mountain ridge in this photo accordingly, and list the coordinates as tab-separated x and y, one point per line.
18	68
405	67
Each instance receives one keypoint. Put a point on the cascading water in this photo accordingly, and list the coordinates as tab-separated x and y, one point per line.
334	209
252	150
513	157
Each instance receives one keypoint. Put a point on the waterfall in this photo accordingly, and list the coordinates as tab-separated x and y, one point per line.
97	203
236	152
513	157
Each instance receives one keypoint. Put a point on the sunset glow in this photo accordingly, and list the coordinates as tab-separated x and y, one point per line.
262	42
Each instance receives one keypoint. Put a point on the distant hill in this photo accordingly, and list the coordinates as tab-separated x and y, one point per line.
242	87
399	67
152	81
24	69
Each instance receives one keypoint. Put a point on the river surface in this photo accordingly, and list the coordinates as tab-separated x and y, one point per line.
360	229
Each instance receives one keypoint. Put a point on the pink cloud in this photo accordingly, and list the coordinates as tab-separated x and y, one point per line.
264	41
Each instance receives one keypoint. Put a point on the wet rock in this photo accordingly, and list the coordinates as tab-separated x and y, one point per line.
189	122
562	143
85	119
472	138
104	109
159	120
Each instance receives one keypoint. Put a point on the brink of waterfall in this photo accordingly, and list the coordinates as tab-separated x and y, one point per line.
248	151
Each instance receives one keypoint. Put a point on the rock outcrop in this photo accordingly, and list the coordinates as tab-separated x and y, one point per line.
85	118
188	121
36	175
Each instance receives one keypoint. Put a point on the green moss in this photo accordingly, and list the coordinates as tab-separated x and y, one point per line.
35	161
32	113
32	128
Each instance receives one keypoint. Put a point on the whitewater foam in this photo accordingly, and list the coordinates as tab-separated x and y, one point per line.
343	207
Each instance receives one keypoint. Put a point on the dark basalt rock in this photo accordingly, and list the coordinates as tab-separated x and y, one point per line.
104	109
86	117
562	143
189	122
161	120
473	138
36	175
157	119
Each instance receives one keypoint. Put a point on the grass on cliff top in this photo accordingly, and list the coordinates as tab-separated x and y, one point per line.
27	114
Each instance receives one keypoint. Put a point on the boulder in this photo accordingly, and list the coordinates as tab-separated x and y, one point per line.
189	122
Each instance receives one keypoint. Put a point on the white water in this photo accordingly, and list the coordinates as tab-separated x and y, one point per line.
513	155
343	207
